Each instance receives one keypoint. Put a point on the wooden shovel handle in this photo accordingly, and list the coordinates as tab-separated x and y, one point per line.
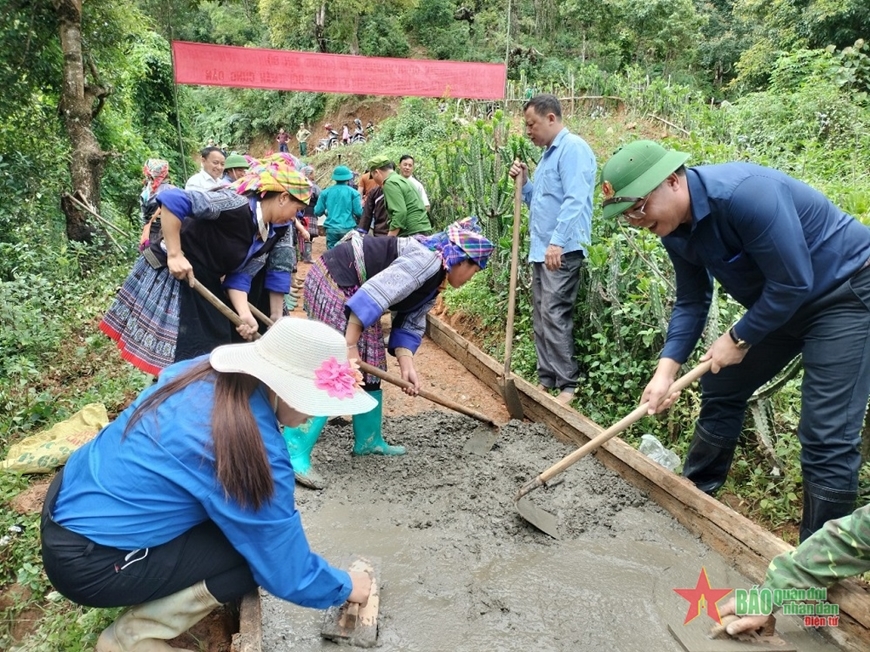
435	398
399	381
512	291
599	440
223	308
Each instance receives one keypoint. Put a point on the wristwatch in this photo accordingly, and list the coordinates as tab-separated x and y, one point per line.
740	344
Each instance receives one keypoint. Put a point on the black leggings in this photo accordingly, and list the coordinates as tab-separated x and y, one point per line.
99	576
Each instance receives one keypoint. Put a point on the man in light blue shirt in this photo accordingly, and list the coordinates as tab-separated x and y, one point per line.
560	226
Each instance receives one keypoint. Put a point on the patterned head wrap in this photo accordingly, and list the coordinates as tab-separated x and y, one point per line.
155	170
274	177
460	241
285	158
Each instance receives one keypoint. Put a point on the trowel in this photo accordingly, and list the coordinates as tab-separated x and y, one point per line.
351	623
546	521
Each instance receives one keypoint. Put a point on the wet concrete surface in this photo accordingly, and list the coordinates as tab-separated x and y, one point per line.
461	570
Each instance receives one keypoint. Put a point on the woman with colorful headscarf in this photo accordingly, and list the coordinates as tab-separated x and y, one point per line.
156	172
234	241
352	285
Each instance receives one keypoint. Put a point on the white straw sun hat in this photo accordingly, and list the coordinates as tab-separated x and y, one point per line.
304	362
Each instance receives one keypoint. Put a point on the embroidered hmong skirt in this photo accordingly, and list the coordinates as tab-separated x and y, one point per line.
324	301
143	319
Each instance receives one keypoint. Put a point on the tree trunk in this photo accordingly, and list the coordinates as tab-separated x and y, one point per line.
320	28
79	104
354	37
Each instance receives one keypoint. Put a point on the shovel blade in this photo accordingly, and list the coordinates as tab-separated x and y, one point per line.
511	397
481	441
540	518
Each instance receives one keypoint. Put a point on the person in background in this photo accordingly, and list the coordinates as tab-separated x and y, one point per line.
186	500
234	241
801	268
345	135
282	139
211	173
302	137
341	204
352	285
374	217
235	167
560	229
156	172
404	206
366	185
406	169
839	550
307	218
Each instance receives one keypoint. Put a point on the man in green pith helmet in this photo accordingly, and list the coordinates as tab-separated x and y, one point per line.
799	265
407	213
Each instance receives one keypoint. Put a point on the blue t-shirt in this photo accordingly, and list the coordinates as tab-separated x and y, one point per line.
158	482
773	243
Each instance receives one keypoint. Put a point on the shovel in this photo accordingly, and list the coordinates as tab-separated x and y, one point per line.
481	439
546	521
508	388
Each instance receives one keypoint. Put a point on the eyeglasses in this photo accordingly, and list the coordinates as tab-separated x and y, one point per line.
632	214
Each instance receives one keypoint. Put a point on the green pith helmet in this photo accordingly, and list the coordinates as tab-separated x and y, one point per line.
235	161
378	162
342	173
634	171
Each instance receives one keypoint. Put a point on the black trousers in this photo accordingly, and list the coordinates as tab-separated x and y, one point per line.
100	576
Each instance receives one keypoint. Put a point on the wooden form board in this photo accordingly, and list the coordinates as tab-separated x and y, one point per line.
250	635
746	545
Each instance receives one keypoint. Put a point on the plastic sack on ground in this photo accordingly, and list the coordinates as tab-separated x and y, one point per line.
49	449
653	449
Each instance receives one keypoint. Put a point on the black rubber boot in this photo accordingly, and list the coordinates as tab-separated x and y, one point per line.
707	463
822	505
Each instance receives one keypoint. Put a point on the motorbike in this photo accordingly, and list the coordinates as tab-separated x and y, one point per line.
330	142
358	135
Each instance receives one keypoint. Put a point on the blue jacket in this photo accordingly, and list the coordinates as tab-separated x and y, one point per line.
160	481
773	243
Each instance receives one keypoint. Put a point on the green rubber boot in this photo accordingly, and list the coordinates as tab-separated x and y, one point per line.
367	436
300	442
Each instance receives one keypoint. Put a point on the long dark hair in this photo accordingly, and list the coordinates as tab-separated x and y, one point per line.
241	463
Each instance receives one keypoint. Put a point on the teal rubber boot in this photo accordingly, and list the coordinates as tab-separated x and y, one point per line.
367	435
300	442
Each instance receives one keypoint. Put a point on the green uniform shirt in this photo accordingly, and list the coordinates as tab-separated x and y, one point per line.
404	206
840	549
342	205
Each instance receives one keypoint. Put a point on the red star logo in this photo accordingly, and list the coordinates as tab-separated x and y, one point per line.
702	593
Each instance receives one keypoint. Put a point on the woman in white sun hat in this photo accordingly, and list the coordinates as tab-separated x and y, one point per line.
185	501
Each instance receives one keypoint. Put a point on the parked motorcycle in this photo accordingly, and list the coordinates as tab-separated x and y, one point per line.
358	135
330	142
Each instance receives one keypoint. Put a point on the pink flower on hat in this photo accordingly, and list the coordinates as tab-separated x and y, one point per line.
339	379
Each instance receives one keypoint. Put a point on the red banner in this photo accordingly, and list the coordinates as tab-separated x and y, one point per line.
285	70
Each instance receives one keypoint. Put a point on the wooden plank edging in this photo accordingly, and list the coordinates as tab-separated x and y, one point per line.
746	545
250	635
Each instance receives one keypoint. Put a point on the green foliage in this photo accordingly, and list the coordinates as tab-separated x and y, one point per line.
432	25
853	73
381	35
